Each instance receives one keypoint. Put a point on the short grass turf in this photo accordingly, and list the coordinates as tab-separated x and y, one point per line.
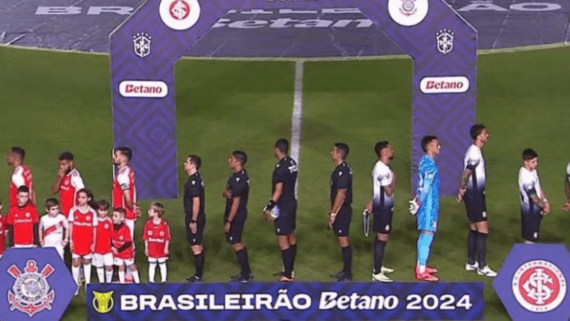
53	102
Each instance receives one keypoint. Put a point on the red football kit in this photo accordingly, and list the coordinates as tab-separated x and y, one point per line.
122	236
23	219
3	230
156	234
104	237
68	188
83	230
22	176
125	181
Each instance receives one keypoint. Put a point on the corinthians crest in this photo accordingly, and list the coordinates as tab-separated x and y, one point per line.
141	42
31	292
444	40
408	7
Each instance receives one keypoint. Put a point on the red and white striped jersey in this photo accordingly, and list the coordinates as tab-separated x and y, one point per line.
68	189
125	181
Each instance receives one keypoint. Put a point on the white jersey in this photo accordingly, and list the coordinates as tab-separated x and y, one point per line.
529	184
52	229
382	177
475	161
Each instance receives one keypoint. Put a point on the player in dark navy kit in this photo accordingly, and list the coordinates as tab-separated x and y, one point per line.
236	194
284	202
472	193
195	216
340	214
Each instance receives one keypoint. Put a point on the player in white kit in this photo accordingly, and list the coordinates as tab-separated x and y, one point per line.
53	228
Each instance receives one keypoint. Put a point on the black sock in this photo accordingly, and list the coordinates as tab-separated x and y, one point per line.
379	247
243	261
347	260
246	259
199	264
471	246
287	261
481	249
293	248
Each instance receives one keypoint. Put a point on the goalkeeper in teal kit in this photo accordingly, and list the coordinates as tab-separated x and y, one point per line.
425	206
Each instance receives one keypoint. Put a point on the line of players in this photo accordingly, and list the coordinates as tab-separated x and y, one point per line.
281	208
83	224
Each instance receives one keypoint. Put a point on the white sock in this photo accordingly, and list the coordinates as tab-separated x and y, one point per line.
87	273
129	274
151	272
422	268
109	275
75	273
163	271
121	277
101	274
136	277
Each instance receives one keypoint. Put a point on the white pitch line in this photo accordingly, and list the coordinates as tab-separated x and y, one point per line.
296	118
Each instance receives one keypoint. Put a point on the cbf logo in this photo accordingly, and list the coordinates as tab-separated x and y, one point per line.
444	39
539	286
532	283
141	44
31	292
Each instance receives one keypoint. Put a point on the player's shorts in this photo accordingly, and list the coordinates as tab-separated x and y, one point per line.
236	228
87	256
196	238
132	225
383	221
24	245
286	223
158	260
58	248
120	262
102	260
427	223
530	227
341	225
476	207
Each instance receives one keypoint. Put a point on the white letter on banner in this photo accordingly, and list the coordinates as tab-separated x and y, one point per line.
147	300
247	302
201	301
302	297
221	23
186	302
167	303
342	302
353	301
283	300
123	11
213	305
282	23
58	10
232	302
263	299
533	6
327	300
129	302
482	5
365	303
341	10
292	11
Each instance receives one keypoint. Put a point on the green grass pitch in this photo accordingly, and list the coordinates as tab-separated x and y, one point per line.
53	102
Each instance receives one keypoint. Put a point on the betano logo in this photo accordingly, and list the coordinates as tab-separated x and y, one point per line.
103	302
143	89
444	85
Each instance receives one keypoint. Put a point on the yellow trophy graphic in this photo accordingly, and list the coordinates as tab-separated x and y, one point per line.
103	302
